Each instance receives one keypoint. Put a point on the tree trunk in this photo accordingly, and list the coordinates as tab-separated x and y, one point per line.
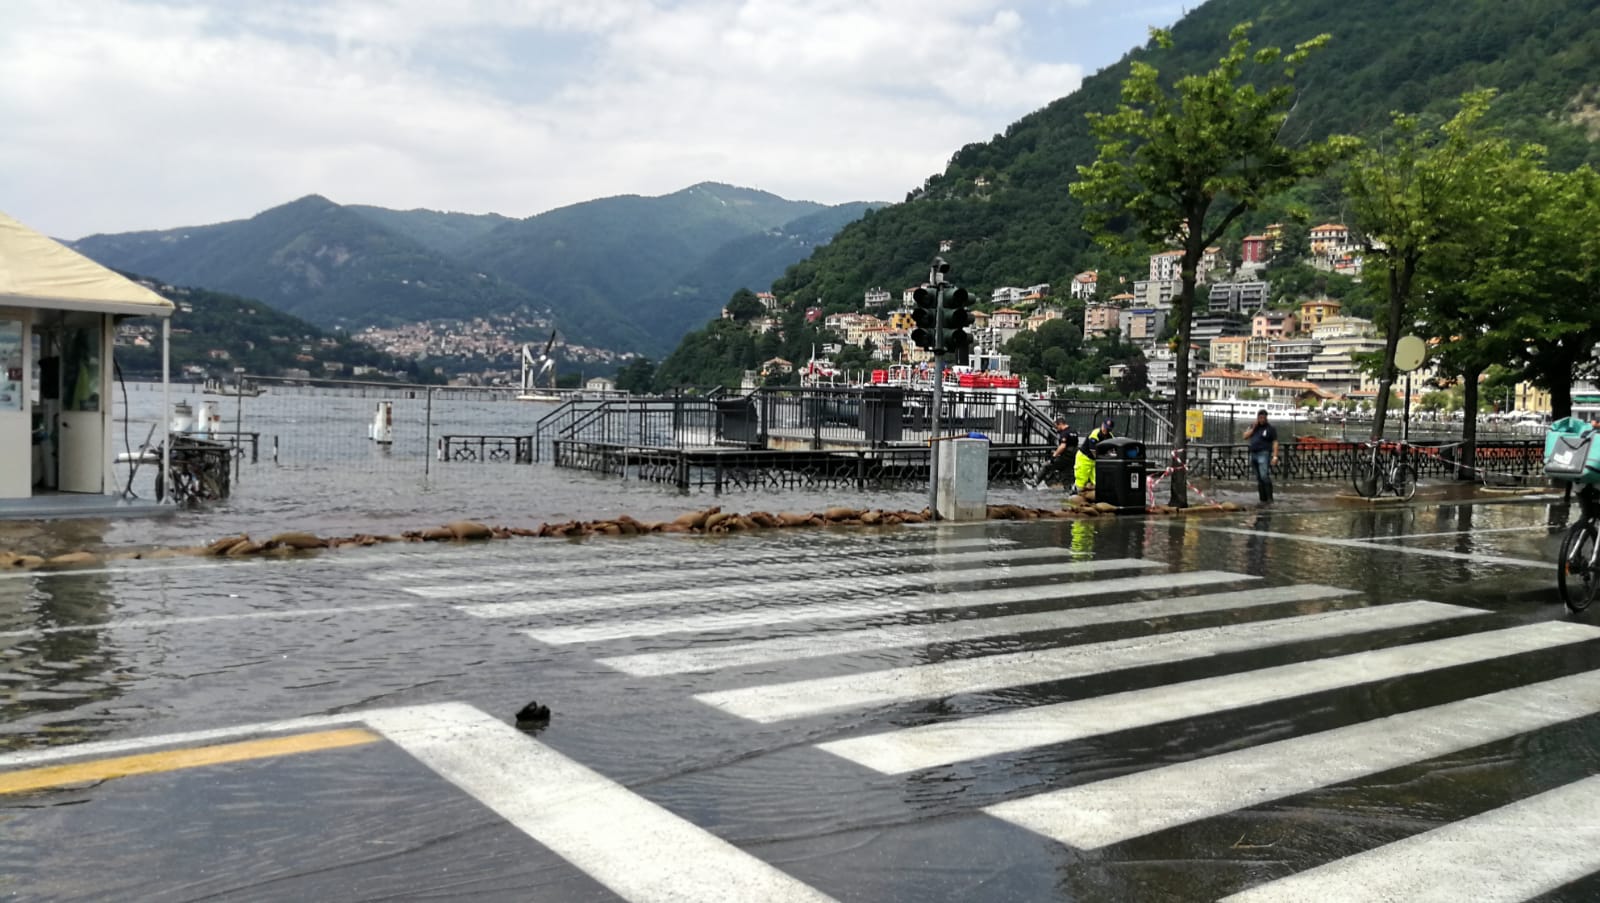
1467	462
1561	398
1194	248
1399	294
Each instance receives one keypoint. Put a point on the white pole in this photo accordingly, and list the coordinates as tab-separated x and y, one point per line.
166	403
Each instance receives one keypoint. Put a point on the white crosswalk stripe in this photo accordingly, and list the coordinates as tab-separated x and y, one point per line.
943	744
1516	852
730	655
1106	812
880	608
670	574
658	554
797	699
872	583
712	622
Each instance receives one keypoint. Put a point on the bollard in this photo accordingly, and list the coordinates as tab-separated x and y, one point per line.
962	492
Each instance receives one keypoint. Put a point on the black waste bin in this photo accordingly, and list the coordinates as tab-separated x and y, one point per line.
882	412
736	420
1119	473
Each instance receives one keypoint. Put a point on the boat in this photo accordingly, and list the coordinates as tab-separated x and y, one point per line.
534	369
244	388
1241	408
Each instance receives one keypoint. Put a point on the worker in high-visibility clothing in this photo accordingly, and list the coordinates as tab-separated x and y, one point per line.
1084	467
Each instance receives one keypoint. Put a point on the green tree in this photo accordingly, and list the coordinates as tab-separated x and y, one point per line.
1477	274
1409	194
1185	162
744	306
637	376
1553	333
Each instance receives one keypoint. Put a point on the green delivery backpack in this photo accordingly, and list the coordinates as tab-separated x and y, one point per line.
1572	451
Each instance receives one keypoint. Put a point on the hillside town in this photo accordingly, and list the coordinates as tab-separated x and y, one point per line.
1299	355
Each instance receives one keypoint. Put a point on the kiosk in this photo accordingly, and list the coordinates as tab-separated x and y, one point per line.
58	315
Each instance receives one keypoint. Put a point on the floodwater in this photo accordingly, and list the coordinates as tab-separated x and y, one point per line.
737	685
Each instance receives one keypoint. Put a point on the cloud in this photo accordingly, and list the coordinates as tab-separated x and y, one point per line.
125	115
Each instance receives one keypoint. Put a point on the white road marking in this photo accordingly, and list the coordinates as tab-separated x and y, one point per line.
1516	852
148	623
777	702
1106	812
779	589
619	573
140	567
881	606
946	743
1533	528
102	748
669	557
707	658
1363	544
639	850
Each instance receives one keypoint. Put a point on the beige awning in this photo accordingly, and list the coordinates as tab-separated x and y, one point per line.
38	271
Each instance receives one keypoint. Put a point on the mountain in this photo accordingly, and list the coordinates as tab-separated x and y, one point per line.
754	261
1004	203
248	334
313	258
598	261
627	273
450	234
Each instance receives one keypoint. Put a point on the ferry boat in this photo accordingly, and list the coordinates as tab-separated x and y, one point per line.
1241	408
244	388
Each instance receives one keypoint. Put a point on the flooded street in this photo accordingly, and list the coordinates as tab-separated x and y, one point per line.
1281	704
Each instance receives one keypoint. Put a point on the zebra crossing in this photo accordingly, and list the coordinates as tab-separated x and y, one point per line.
831	644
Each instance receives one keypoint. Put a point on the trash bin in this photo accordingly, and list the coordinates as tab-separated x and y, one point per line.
736	420
1119	473
882	413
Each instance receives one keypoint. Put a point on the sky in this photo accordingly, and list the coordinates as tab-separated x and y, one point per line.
119	115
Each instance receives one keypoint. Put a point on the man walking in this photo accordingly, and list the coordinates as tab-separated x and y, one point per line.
1061	459
1263	439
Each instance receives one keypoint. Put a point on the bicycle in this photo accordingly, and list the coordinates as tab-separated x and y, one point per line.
1373	477
1577	572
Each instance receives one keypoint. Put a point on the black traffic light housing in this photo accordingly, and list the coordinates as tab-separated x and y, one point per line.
956	320
926	317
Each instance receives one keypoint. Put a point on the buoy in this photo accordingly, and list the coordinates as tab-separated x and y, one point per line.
381	430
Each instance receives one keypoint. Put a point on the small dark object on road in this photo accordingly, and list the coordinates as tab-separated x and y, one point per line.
534	713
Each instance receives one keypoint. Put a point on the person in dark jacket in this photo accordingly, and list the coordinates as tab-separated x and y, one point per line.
1263	439
1061	460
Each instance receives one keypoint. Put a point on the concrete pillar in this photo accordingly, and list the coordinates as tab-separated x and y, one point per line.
963	489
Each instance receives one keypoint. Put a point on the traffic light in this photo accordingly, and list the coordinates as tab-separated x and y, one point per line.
956	320
926	317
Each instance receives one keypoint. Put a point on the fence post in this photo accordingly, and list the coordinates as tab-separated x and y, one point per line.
427	433
861	471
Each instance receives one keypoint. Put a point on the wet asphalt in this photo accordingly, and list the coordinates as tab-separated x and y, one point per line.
154	649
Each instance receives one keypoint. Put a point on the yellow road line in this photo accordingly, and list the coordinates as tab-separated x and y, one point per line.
175	759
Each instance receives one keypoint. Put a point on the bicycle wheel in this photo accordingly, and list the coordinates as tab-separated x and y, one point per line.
1364	474
1575	570
1405	481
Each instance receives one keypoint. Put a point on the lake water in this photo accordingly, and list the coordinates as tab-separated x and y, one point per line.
317	470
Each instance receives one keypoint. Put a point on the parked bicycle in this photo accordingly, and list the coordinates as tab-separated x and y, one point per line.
1379	471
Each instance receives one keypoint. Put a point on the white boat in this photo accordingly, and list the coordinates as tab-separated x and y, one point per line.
1241	408
245	388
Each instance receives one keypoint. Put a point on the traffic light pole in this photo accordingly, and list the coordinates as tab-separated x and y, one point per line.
938	405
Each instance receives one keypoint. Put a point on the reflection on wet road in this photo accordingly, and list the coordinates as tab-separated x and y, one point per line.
1366	704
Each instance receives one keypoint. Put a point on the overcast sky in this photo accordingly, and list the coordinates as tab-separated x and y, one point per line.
140	114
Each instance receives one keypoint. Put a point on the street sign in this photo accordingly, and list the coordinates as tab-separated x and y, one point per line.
1409	353
1194	424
